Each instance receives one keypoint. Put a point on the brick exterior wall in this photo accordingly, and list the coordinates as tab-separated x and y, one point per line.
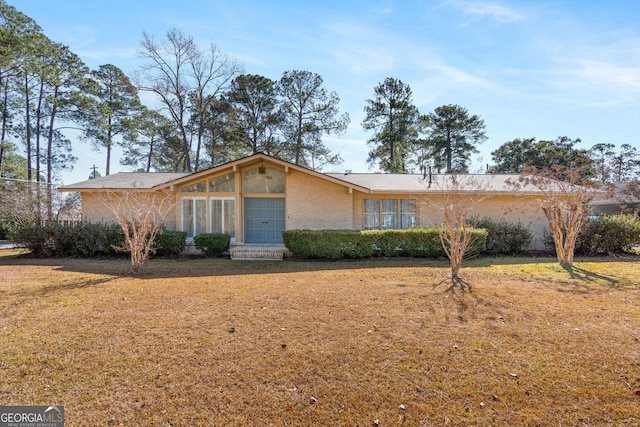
316	204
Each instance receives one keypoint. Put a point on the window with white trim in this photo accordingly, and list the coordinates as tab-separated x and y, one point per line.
389	214
408	213
223	216
193	215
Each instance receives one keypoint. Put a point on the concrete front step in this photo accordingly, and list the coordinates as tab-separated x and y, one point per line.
258	253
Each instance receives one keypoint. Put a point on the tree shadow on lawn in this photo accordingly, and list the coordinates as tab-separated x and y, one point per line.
71	285
487	260
582	277
159	268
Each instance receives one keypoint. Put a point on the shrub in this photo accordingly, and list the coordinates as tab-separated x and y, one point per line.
505	238
38	239
413	242
6	229
85	240
608	234
212	244
170	243
82	240
332	244
79	240
337	244
113	241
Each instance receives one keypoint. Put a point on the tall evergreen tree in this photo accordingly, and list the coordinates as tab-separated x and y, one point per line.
151	129
111	119
452	136
393	117
255	106
309	112
625	163
601	154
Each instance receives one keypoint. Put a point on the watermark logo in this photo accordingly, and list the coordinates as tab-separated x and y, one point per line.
31	416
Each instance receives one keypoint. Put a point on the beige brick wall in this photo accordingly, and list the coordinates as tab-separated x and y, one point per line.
93	210
316	204
513	209
510	208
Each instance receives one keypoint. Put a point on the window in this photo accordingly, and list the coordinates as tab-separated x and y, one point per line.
371	214
199	187
389	213
223	184
223	216
408	213
263	179
193	216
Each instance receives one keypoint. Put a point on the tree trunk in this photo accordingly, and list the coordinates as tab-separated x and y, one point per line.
27	120
52	119
3	130
448	151
150	156
39	130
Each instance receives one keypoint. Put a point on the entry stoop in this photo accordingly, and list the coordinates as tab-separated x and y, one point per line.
258	252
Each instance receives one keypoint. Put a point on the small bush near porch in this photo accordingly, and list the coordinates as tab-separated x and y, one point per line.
216	342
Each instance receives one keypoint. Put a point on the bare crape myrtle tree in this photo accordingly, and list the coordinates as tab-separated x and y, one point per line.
564	196
456	198
140	214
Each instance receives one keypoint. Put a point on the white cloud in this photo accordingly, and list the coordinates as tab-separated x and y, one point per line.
80	35
106	53
481	9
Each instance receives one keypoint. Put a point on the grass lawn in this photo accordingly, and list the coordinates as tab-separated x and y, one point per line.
221	343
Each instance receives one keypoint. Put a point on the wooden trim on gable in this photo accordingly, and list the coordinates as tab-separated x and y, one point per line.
257	159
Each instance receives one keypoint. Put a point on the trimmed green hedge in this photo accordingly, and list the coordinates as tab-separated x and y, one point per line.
332	244
170	243
337	244
212	244
86	240
505	238
608	234
82	240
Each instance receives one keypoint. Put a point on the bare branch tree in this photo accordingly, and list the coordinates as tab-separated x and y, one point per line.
565	204
458	196
187	81
630	196
21	201
141	215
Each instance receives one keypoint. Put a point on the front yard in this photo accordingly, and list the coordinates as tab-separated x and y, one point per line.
222	343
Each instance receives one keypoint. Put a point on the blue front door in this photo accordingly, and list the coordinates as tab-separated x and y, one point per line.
263	220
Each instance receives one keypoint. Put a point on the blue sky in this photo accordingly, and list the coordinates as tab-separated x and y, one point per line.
529	68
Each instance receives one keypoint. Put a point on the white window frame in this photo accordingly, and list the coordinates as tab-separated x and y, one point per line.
388	220
194	220
223	199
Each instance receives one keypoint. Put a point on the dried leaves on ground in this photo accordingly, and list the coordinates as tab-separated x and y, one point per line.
220	343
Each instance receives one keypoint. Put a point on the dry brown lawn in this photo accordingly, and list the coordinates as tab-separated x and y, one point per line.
219	343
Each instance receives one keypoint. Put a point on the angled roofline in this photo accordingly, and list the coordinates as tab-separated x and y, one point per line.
256	159
90	184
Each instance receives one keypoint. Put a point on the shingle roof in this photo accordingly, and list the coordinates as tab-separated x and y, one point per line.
617	194
411	183
366	182
124	180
